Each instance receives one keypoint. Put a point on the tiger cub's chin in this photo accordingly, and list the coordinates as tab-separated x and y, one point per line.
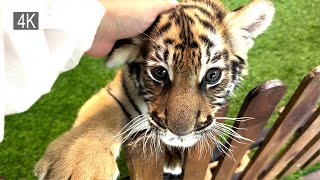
171	139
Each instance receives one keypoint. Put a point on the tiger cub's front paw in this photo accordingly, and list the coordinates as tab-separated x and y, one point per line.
81	167
81	160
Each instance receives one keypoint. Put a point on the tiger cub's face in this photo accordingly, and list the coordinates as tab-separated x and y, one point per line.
187	64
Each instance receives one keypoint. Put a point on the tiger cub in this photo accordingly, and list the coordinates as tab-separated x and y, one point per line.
175	78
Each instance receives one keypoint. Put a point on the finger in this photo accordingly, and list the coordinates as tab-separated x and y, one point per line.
164	5
99	49
173	1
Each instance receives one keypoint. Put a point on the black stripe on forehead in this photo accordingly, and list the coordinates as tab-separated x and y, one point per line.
165	55
209	44
205	23
186	34
219	10
220	15
206	40
179	47
188	19
168	41
194	45
164	28
201	9
158	55
219	55
177	58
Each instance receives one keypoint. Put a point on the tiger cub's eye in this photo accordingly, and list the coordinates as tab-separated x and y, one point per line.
159	73
213	75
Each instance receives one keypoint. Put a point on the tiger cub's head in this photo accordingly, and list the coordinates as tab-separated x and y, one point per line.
188	62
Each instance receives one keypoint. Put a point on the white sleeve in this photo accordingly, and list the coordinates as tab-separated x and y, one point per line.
31	60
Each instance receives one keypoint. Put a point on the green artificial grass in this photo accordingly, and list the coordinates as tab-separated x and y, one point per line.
287	51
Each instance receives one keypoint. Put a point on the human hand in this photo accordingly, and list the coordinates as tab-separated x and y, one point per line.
124	19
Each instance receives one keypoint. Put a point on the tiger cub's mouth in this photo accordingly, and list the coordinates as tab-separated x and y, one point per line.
172	139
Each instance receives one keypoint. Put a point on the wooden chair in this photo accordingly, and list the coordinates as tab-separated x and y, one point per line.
276	156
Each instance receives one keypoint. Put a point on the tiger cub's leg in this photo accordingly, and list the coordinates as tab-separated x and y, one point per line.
89	150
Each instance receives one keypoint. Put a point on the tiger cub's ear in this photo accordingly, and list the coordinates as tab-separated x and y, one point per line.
247	23
125	50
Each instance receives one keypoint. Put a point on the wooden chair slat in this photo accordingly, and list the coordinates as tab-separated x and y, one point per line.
269	94
295	113
195	167
310	152
310	130
315	159
141	166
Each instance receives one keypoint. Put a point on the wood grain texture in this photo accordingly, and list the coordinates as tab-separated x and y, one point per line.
259	104
142	163
311	151
297	146
296	112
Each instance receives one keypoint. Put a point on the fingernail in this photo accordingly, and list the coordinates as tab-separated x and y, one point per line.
173	2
